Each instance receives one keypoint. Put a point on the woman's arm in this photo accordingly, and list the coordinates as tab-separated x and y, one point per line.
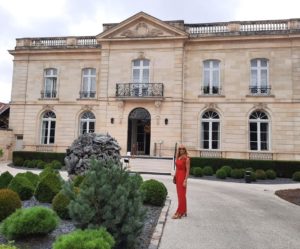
187	165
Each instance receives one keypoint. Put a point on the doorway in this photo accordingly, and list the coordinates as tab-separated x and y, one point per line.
139	132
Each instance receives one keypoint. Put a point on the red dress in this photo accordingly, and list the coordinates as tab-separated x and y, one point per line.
181	190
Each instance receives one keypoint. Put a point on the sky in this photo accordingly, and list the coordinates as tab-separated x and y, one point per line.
46	18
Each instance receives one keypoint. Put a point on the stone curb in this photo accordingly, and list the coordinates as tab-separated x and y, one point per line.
157	234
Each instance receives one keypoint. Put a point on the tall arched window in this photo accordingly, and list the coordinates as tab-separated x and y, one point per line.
260	77
48	128
211	77
50	83
259	131
210	130
87	123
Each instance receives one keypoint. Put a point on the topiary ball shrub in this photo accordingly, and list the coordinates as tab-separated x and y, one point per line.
31	177
197	171
28	222
221	174
22	186
9	202
271	174
227	169
5	179
85	239
155	192
208	171
40	164
60	205
296	176
237	173
260	174
18	161
49	185
55	164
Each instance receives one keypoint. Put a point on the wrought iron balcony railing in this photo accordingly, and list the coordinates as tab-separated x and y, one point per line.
48	94
87	94
211	90
260	91
139	90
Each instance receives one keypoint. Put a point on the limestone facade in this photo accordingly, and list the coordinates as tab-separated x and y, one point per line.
179	59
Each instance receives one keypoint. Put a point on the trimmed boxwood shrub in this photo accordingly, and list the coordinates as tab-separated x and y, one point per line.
5	179
29	221
31	177
55	164
208	171
49	185
282	168
155	192
197	171
44	156
40	164
18	161
227	169
85	239
9	202
22	186
296	176
237	173
271	174
221	173
260	174
60	204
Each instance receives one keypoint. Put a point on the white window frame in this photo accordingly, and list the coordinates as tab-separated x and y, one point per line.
210	70
48	118
258	69
50	78
258	121
87	118
88	86
213	117
140	83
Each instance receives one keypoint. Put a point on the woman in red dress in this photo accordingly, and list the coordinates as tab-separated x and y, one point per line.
181	176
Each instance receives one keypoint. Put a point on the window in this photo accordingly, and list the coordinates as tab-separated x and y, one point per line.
87	123
259	131
210	130
50	83
140	77
260	77
88	83
48	128
211	77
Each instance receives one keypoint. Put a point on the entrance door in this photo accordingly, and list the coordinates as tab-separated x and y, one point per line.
139	132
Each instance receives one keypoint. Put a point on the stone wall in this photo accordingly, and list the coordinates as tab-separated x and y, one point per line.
6	144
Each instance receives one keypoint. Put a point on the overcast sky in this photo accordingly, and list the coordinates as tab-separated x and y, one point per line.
44	18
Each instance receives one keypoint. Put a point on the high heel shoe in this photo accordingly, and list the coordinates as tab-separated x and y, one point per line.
184	215
176	216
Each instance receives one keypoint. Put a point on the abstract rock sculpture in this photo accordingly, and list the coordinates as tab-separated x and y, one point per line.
87	146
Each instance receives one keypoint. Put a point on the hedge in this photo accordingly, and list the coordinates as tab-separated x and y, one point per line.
44	156
282	168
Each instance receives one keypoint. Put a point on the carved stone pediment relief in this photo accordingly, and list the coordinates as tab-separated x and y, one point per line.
211	106
142	29
48	107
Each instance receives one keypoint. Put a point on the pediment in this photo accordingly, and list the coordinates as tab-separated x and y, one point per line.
142	26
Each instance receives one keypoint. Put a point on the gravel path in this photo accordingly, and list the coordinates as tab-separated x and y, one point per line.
67	226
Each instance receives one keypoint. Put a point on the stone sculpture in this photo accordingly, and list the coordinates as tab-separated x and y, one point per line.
87	146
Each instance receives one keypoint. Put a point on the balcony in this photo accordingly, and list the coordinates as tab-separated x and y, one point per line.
48	94
87	94
260	91
140	90
214	90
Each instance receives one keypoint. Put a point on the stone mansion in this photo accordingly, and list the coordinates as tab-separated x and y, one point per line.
229	90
